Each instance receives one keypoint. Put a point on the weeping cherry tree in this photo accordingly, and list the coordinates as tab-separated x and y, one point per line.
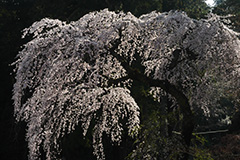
74	74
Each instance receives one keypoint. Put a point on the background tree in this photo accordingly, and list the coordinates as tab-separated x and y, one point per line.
83	73
194	8
229	7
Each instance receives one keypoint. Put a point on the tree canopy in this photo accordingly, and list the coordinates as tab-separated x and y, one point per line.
82	73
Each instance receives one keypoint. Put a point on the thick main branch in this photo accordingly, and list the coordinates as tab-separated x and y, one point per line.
135	74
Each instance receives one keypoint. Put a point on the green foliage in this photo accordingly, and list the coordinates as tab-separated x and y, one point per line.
228	6
198	150
156	140
194	8
136	7
232	7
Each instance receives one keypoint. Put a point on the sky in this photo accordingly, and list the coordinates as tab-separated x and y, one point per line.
210	2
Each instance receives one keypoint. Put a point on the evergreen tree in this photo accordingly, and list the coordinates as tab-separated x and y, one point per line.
229	7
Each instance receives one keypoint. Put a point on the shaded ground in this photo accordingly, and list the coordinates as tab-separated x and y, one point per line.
228	148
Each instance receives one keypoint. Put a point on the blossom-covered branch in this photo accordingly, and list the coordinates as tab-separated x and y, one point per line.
72	74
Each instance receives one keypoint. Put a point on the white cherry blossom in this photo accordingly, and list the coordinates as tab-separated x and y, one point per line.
70	74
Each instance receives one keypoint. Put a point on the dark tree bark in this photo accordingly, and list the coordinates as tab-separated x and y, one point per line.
182	100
